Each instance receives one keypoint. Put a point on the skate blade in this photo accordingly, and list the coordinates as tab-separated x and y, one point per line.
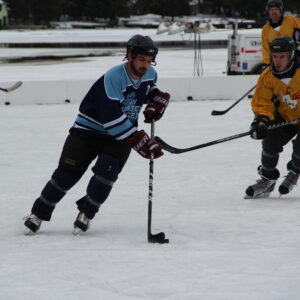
263	195
77	231
28	231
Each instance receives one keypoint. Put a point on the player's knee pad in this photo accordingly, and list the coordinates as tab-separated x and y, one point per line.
61	181
296	145
106	172
107	167
74	167
65	178
294	164
272	149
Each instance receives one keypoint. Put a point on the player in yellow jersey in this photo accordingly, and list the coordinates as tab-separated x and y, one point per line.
278	25
281	80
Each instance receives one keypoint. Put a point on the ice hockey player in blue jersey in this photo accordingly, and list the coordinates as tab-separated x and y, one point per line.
105	130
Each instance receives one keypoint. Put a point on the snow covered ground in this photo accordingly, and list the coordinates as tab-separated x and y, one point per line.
100	35
221	245
170	64
175	63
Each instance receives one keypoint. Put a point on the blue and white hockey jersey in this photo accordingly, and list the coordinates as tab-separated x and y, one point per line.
112	105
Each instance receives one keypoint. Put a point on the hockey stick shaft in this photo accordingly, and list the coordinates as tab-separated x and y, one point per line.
283	123
174	150
158	237
150	191
11	88
223	112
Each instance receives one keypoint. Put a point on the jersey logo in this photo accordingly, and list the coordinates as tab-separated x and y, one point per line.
287	99
130	107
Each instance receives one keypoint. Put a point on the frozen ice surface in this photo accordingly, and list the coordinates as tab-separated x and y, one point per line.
221	245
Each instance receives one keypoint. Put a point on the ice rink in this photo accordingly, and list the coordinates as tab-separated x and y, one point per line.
222	246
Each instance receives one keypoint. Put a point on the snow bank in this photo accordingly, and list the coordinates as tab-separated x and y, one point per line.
193	88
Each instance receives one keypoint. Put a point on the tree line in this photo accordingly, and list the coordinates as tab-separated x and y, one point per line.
43	11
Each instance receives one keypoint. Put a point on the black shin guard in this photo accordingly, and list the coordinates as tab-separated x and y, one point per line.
106	173
268	165
61	181
294	164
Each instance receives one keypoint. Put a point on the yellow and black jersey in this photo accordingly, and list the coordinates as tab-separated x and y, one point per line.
287	28
286	90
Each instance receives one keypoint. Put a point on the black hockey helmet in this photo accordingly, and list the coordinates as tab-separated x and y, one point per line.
283	44
274	3
139	44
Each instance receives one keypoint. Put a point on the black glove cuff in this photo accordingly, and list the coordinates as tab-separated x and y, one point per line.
260	119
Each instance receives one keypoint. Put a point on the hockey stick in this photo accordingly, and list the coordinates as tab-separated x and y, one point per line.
159	237
223	112
174	150
11	88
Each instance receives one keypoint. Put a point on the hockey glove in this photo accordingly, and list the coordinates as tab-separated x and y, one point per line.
259	127
141	142
157	103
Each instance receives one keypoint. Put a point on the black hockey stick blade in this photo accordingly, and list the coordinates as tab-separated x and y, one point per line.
223	112
175	150
12	88
159	238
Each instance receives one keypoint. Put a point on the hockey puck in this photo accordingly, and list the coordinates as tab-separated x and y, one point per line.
7	103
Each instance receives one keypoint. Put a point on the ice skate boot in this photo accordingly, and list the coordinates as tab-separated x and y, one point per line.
288	183
81	224
262	188
32	224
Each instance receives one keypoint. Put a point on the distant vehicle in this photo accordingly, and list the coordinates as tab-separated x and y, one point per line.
244	53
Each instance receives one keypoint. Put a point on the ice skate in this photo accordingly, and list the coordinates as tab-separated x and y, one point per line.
288	183
81	224
261	189
32	224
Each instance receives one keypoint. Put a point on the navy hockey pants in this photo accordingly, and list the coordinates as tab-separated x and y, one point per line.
273	145
79	150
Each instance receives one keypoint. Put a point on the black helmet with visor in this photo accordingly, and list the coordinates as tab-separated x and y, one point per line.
140	44
283	44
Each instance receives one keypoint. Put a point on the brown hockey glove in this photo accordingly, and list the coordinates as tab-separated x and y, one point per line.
141	142
156	106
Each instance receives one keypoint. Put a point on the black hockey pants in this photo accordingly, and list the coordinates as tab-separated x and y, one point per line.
79	150
273	145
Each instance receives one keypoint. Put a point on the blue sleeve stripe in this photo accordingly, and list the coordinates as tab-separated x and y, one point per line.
114	131
86	123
